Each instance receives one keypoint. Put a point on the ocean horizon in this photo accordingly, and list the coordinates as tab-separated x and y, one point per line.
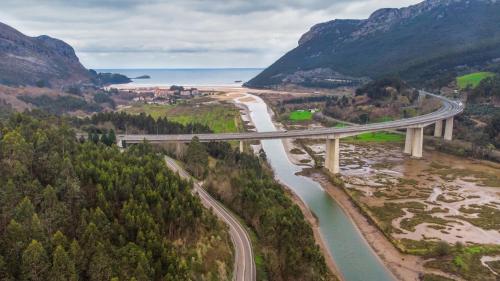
187	76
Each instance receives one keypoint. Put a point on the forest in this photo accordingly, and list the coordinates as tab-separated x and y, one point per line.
86	211
128	123
482	104
245	183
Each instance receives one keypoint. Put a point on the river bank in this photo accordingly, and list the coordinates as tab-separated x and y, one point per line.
451	197
240	100
351	253
404	267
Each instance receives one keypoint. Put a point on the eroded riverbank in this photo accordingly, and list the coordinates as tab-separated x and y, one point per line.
414	202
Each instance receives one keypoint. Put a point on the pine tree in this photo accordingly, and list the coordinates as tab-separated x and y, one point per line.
100	265
196	158
24	211
76	255
63	267
35	263
5	274
104	139
111	137
59	239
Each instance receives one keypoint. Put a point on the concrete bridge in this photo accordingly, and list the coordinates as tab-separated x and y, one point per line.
441	118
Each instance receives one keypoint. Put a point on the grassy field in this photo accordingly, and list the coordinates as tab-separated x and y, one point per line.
374	137
149	109
377	137
221	118
472	80
301	115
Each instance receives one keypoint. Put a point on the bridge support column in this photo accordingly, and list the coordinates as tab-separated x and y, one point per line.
438	129
242	146
417	142
448	129
408	140
332	157
178	149
414	142
119	143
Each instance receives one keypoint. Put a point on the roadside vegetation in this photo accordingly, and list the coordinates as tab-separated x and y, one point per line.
74	210
246	185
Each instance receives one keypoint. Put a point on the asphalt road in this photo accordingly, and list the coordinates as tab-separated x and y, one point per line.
448	109
244	265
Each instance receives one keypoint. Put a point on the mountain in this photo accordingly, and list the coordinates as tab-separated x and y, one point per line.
419	43
41	61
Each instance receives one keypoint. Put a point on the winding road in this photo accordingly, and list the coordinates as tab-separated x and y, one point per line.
448	109
244	265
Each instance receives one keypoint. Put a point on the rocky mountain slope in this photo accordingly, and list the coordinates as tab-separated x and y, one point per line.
41	61
419	43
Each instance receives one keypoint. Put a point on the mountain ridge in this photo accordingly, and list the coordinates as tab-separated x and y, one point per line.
413	42
41	60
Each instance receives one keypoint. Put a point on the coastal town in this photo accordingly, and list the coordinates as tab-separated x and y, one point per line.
166	95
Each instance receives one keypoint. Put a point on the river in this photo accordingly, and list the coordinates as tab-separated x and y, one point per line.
351	253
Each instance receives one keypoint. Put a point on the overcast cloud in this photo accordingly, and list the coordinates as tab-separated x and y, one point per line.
180	33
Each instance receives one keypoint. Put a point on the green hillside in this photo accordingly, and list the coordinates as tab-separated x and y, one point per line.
394	41
472	80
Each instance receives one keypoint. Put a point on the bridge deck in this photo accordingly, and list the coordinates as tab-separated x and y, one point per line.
448	109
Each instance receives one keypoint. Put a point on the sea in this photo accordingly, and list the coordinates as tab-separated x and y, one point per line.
188	76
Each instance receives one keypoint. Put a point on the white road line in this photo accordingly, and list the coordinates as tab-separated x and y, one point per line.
244	266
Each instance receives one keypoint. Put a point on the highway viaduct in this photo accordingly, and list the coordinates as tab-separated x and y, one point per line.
441	119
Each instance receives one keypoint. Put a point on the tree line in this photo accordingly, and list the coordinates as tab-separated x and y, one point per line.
86	211
141	123
246	184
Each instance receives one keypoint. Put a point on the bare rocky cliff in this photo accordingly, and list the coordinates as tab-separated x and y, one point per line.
42	60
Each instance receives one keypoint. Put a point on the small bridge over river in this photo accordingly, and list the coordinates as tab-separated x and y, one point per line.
442	119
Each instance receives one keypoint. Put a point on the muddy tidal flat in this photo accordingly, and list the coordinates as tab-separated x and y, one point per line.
439	197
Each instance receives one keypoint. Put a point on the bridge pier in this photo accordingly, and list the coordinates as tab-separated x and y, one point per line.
119	142
242	146
438	129
408	140
448	129
332	156
414	142
178	149
417	142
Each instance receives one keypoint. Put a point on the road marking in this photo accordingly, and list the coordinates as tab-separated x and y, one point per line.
239	237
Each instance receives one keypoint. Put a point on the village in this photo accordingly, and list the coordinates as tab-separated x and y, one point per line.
170	95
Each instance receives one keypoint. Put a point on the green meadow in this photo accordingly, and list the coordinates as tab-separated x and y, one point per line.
301	115
218	117
377	137
472	80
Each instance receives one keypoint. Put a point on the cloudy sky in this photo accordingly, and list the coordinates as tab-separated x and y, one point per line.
180	33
